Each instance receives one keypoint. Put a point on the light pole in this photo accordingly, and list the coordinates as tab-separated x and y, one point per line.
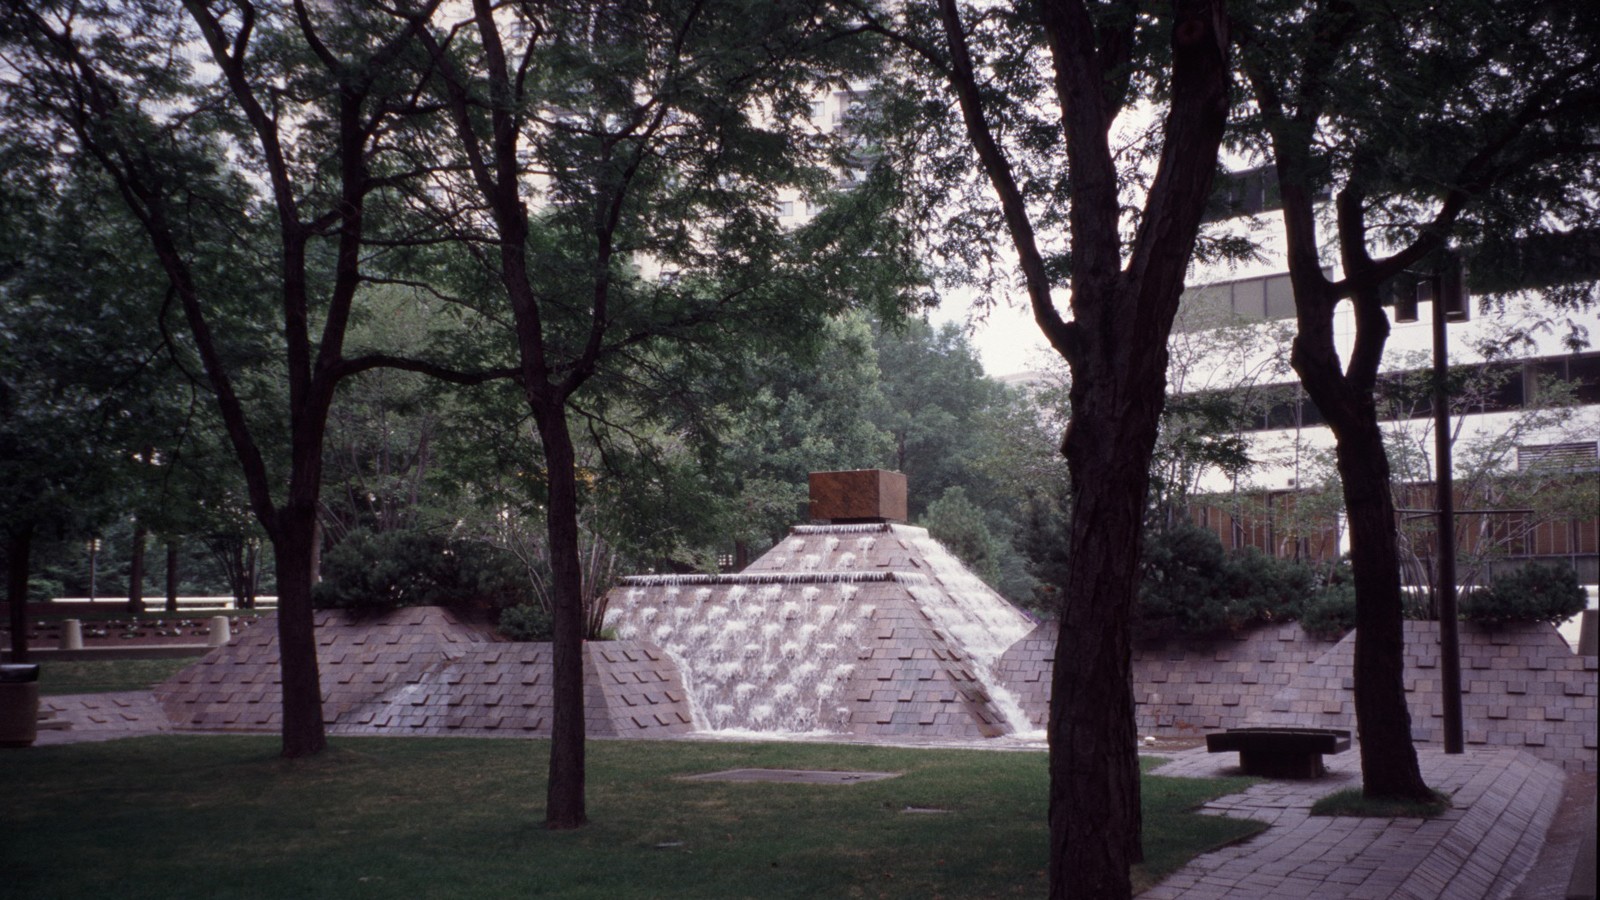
1448	295
1449	305
94	560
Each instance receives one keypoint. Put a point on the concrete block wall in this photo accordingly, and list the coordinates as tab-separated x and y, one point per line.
237	687
422	671
630	690
1522	687
1181	687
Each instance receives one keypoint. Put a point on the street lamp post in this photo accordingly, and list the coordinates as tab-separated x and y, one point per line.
94	562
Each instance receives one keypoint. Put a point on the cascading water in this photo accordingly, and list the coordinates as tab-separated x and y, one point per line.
773	649
980	620
772	662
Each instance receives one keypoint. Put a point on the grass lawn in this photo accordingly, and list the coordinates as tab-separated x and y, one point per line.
66	676
219	817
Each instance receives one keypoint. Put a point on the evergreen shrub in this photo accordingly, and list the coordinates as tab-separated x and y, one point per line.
1330	612
385	570
1533	593
1192	587
43	590
527	622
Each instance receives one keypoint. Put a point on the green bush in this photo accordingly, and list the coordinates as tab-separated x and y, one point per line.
1533	593
385	570
960	525
43	590
1330	612
527	622
1191	586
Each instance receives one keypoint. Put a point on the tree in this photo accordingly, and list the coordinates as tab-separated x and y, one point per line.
935	397
816	410
308	104
1219	380
1125	276
959	524
84	384
612	171
1414	120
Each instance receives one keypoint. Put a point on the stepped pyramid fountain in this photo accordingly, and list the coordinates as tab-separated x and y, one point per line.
857	624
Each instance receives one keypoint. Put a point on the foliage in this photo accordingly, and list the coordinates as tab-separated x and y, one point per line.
44	589
1043	537
935	397
261	169
411	833
1190	586
597	573
381	466
88	391
799	414
373	570
1436	135
608	177
526	622
1221	378
959	525
1535	592
1331	612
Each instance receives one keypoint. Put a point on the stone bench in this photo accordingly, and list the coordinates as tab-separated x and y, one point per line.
1280	752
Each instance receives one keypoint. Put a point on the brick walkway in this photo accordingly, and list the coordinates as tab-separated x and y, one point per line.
1482	848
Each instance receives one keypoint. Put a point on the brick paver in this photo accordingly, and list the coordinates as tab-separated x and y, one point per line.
1504	800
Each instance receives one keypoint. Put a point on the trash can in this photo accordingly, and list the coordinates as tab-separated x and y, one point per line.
19	704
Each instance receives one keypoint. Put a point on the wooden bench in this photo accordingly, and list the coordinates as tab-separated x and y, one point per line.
1280	752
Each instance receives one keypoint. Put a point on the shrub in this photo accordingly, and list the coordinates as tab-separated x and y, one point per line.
1191	586
1330	612
43	590
385	570
960	525
1533	593
527	622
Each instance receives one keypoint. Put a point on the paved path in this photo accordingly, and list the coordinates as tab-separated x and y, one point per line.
1504	801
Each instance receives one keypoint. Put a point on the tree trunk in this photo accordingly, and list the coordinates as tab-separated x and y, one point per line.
565	805
136	569
172	577
1389	767
1094	763
303	733
18	548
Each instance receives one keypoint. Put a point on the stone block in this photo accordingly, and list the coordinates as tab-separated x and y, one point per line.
859	495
